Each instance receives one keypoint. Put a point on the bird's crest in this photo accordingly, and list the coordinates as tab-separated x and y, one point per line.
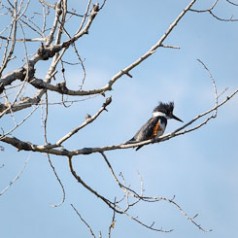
166	108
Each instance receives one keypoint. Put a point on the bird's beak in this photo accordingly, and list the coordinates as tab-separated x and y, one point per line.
176	118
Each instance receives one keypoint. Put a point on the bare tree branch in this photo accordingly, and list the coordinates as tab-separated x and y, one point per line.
45	120
235	4
28	146
151	51
142	197
211	12
88	120
46	52
86	186
9	52
17	177
57	40
59	181
113	222
84	221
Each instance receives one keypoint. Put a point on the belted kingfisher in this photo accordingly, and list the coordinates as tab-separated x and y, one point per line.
156	125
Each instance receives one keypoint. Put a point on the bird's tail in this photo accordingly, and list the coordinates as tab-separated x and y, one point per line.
133	140
139	147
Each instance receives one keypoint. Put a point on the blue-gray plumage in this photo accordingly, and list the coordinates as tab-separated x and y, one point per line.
156	125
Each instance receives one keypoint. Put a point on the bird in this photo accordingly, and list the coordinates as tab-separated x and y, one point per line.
156	125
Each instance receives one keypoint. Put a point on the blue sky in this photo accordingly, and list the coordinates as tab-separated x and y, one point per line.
199	168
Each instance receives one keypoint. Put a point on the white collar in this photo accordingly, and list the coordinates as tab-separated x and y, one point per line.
159	114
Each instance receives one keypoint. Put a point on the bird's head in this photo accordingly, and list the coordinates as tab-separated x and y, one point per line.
166	110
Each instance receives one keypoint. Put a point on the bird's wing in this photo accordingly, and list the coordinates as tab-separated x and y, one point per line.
147	131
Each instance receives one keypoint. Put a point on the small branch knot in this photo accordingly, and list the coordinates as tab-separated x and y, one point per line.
45	53
1	88
107	102
28	73
62	87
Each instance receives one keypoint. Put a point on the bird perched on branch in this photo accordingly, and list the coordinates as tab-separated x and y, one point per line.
156	125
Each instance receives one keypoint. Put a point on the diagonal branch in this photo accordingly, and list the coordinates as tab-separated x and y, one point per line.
8	53
151	51
211	12
84	221
91	190
22	145
85	123
144	198
46	52
17	177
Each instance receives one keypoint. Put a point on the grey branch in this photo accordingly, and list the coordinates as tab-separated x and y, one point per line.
52	149
85	123
46	52
17	177
211	12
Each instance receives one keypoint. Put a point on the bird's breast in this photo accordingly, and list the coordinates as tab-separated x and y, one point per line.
159	128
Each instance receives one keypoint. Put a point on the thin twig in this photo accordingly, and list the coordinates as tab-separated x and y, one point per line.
45	120
91	190
17	177
113	221
211	12
18	124
85	123
84	221
59	181
213	83
22	145
232	3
